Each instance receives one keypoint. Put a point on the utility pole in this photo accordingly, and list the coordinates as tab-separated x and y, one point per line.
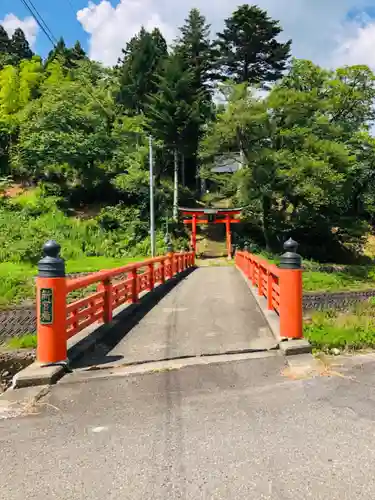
152	207
175	187
183	170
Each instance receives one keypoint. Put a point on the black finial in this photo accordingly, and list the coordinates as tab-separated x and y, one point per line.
290	245
290	259
51	265
51	249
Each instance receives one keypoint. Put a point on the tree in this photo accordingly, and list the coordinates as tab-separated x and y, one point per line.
18	86
20	47
309	156
143	57
59	51
194	50
5	51
77	53
170	114
248	50
64	135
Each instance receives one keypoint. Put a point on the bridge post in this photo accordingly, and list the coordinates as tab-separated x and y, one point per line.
51	306
291	325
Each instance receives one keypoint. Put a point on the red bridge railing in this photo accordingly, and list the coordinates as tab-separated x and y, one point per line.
59	318
281	287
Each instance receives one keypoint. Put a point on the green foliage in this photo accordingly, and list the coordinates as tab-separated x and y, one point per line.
194	52
13	50
352	278
141	62
309	158
63	135
352	330
5	52
28	341
248	49
67	57
20	47
170	113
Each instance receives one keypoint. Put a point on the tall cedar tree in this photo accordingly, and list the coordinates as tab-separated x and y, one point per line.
20	47
248	50
194	50
67	57
143	57
77	53
170	113
5	50
59	50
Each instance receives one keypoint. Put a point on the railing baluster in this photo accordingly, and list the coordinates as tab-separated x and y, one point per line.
107	306
270	280
134	278
151	277
260	280
162	271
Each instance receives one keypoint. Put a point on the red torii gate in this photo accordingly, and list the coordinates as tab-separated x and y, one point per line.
211	216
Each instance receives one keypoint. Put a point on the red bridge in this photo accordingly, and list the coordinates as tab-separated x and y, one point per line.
164	308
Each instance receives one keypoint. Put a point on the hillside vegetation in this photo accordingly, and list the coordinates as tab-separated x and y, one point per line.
74	145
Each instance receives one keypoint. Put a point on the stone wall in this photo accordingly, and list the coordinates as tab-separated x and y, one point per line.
336	300
17	321
21	320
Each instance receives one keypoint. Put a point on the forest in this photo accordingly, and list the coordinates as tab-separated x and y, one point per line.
74	139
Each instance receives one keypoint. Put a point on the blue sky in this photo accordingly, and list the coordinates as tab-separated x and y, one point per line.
58	14
330	32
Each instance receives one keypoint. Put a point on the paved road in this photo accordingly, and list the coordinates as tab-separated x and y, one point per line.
239	431
210	312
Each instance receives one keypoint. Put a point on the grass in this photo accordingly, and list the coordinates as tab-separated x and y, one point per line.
353	278
27	341
352	330
17	280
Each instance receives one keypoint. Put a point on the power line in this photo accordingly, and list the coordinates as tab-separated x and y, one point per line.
70	3
39	20
42	20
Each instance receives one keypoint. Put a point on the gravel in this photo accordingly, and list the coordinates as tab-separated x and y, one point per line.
11	362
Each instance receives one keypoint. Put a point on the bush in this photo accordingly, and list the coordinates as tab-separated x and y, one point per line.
30	219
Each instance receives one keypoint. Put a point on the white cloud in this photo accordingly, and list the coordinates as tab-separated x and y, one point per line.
28	25
111	27
319	28
358	47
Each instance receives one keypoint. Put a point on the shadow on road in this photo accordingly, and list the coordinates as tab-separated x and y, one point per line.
123	323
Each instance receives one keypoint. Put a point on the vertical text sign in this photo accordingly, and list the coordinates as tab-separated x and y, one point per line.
46	306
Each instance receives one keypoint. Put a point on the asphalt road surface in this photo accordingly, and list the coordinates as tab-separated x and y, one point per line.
240	430
211	311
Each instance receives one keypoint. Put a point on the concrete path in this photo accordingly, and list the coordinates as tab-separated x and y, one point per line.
240	430
210	312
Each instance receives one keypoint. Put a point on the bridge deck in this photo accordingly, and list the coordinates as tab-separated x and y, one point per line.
211	311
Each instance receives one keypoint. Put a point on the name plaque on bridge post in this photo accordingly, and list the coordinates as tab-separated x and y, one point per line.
46	306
